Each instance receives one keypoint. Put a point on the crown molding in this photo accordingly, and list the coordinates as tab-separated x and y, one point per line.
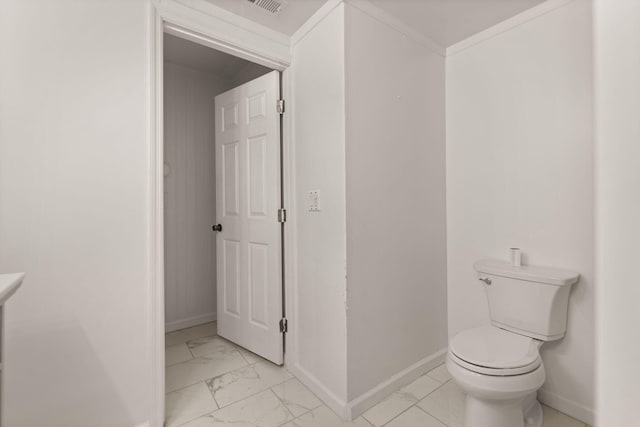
507	25
393	22
314	20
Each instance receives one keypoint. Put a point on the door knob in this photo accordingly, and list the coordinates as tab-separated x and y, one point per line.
217	227
486	280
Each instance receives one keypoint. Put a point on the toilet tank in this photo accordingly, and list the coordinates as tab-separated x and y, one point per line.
531	301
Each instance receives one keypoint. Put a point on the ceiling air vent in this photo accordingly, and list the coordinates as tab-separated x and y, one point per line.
273	6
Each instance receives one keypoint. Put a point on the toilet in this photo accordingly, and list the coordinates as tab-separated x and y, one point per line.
499	365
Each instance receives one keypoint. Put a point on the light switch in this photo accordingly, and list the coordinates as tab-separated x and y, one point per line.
313	204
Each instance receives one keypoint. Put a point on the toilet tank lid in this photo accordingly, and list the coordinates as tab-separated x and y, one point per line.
548	275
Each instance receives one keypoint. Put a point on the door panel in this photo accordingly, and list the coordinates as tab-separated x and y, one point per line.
258	281
230	178
248	191
231	273
258	176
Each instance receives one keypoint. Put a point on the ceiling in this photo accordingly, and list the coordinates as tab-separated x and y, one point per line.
287	21
192	55
447	22
444	21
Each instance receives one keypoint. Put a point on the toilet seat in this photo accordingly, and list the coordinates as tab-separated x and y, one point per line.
493	351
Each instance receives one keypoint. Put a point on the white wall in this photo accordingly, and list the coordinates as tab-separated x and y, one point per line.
617	49
319	323
396	223
189	195
74	211
520	173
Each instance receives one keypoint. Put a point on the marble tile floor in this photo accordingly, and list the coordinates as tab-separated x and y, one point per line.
213	382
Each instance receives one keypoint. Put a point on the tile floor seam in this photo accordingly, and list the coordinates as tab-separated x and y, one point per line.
205	415
293	417
432	376
183	361
431	415
198	417
388	422
425	397
185	387
200	338
445	422
192	419
184	422
198	381
190	352
368	420
249	395
434	390
211	392
435	379
321	402
245	359
285	404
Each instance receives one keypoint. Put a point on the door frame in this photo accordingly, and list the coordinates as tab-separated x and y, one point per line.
208	25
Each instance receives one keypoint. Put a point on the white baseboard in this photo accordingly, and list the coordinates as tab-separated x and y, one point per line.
190	321
359	405
328	398
569	407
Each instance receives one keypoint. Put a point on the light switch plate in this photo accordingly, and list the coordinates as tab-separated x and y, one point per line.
313	203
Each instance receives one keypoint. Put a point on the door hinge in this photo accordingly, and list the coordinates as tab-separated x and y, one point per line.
284	328
282	215
280	106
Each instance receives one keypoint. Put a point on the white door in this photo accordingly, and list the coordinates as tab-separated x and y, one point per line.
247	201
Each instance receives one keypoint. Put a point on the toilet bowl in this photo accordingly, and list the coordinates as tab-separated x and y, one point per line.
498	366
500	372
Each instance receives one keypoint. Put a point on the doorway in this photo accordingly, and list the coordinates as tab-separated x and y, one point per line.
222	185
193	76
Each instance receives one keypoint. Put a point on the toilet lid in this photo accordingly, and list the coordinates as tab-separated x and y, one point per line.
495	348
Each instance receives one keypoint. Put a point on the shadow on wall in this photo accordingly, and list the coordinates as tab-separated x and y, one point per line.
72	358
580	310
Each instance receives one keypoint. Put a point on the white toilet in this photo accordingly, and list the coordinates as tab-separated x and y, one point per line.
499	366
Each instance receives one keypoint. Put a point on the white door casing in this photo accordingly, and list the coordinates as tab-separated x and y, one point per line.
247	145
231	34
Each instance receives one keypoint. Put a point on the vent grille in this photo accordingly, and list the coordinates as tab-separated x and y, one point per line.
273	6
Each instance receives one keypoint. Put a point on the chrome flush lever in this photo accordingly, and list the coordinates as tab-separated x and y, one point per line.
486	280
